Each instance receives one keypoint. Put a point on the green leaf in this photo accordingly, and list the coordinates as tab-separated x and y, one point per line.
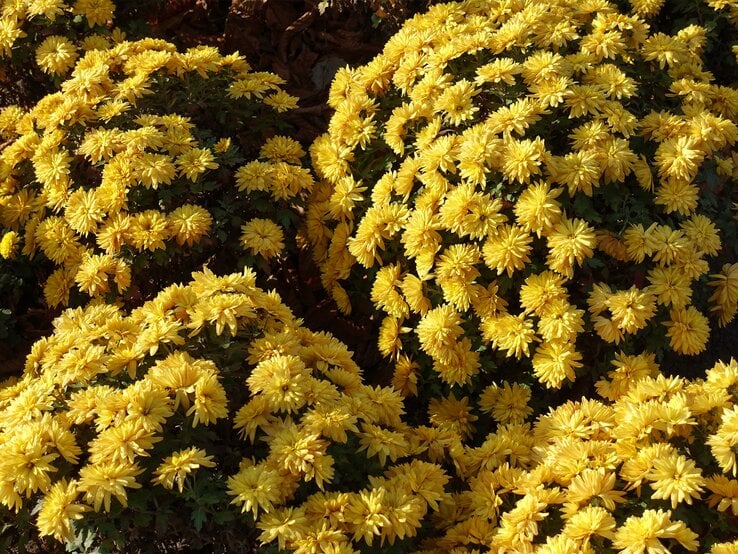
199	517
161	523
141	519
223	517
584	208
211	497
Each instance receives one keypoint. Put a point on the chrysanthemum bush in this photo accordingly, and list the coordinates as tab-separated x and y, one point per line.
40	41
718	17
525	182
210	413
212	399
146	163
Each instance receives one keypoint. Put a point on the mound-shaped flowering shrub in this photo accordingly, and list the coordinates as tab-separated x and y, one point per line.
718	17
43	39
146	163
532	181
211	406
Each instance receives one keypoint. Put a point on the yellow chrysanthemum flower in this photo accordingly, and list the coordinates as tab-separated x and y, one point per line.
507	403
724	301
100	482
59	511
385	293
122	443
456	272
189	224
255	488
507	249
676	478
511	333
724	493
9	245
175	468
537	209
522	159
56	55
438	331
723	442
631	309
670	286
555	361
97	12
570	241
452	413
649	529
688	330
283	380
262	237
195	162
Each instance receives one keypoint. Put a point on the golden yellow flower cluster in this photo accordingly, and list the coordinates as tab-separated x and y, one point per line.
115	406
104	172
515	182
589	476
22	21
517	174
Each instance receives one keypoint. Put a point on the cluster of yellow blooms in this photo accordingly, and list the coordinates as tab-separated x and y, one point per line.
100	409
592	475
57	54
106	389
494	156
85	173
508	176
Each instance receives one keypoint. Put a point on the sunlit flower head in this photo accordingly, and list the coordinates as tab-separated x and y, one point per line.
262	237
56	55
97	12
175	468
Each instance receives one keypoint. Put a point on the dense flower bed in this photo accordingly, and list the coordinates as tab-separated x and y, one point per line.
213	395
524	193
215	377
67	28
